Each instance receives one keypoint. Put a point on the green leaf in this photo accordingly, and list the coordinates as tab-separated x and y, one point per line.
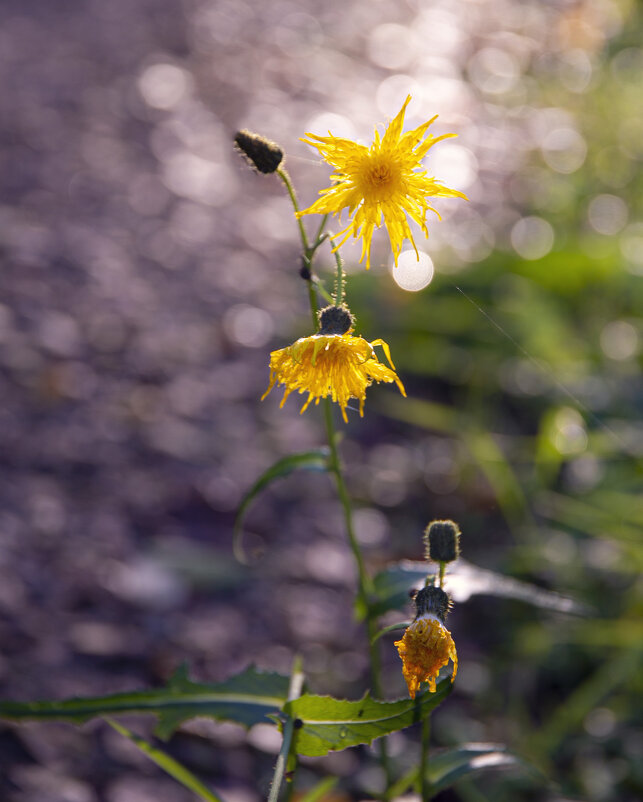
448	766
463	581
168	764
323	723
391	628
316	460
249	698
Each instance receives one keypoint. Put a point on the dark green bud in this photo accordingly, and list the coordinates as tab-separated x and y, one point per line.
433	601
261	153
442	540
335	320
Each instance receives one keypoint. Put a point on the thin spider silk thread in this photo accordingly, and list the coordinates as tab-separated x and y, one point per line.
546	370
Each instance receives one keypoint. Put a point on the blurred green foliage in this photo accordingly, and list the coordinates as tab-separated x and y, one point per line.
531	370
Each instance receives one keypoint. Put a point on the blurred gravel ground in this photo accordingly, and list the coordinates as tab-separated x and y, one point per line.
144	276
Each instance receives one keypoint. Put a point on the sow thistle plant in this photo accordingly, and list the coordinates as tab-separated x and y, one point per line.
385	185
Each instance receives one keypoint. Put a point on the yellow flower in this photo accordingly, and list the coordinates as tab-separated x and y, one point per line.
339	365
425	647
384	181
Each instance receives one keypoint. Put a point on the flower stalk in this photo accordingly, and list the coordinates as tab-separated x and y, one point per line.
364	582
294	691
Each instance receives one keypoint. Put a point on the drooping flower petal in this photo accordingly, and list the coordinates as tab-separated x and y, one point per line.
341	366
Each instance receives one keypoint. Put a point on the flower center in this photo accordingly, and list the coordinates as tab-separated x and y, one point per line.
379	177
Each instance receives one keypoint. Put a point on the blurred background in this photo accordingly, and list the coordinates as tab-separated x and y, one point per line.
145	276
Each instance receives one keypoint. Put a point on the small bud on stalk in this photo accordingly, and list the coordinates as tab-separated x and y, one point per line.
442	541
432	600
261	153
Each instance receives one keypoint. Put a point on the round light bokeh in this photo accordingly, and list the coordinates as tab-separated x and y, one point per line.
413	273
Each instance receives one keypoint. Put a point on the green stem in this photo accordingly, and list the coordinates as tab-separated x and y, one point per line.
293	197
308	250
294	690
442	570
312	298
365	583
341	277
320	236
425	785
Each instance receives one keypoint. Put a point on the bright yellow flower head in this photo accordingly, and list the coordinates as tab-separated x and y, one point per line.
385	181
338	365
425	647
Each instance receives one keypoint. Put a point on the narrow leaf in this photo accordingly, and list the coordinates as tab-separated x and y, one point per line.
168	764
464	580
323	723
316	460
248	698
448	766
391	628
320	790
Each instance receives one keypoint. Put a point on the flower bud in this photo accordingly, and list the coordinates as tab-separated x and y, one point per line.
433	601
335	320
442	541
261	153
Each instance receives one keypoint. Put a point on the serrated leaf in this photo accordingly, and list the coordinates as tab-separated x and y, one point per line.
167	763
448	766
323	723
247	699
463	580
316	460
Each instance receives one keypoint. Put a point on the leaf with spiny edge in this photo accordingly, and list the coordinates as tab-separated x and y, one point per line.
247	698
323	723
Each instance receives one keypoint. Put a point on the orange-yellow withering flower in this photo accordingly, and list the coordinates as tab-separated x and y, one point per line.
427	645
382	182
332	363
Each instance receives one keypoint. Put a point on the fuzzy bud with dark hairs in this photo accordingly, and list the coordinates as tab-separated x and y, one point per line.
442	540
260	153
335	320
432	600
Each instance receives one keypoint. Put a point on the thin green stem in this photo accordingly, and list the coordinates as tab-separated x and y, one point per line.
425	785
293	197
312	298
320	236
443	566
340	281
294	690
365	583
308	250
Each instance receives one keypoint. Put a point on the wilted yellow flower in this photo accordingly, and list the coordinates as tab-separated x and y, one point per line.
384	181
338	365
425	647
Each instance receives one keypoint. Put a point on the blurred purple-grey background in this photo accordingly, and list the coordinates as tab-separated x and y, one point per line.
146	273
